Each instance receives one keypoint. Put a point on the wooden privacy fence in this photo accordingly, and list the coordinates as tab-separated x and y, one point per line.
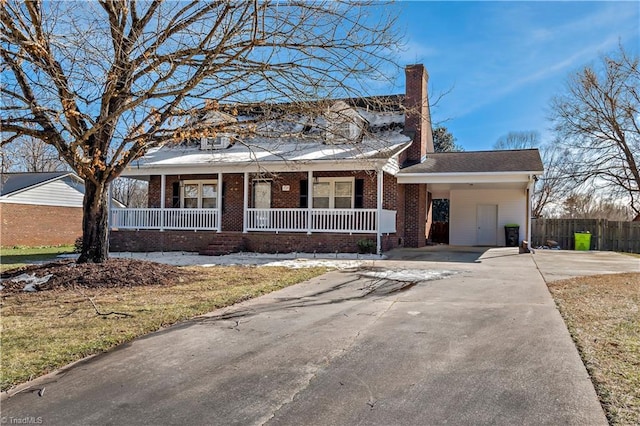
605	235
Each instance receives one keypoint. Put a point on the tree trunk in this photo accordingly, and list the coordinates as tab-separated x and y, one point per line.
95	224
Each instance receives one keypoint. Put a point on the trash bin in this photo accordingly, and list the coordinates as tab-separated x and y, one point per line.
512	235
583	240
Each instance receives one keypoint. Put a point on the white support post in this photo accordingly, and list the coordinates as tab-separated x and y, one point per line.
219	202
380	175
529	205
163	192
245	207
309	200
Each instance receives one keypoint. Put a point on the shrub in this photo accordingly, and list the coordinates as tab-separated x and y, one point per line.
366	246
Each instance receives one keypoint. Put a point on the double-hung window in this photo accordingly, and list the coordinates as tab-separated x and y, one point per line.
333	193
199	194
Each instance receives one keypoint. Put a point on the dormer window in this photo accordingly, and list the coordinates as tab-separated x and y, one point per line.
343	124
345	131
218	142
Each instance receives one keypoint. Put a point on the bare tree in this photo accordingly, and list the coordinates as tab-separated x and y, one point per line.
554	185
28	154
104	81
518	140
598	121
589	206
130	192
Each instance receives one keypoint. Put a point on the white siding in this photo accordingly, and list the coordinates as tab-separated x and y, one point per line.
66	192
462	213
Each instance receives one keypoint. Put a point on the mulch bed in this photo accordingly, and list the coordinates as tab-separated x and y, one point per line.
112	273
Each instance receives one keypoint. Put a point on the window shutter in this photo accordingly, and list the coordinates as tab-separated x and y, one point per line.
175	199
359	194
304	193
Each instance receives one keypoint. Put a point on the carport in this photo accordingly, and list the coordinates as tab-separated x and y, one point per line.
486	189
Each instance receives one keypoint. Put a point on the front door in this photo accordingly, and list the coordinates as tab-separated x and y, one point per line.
262	200
487	221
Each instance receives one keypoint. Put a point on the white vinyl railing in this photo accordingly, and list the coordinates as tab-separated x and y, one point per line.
190	219
270	220
320	220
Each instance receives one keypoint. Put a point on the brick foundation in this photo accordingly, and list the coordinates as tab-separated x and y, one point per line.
33	225
153	240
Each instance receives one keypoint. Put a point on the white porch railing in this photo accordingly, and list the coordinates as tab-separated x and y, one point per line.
191	219
320	220
271	220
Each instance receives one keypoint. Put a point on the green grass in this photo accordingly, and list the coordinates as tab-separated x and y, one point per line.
19	256
46	330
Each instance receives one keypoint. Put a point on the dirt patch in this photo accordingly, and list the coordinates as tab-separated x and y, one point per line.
112	273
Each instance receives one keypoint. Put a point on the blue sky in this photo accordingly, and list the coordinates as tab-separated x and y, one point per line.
504	61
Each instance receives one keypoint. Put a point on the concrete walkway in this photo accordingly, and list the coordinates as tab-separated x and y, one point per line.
471	338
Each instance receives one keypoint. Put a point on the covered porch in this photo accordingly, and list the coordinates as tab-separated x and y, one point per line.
308	220
313	202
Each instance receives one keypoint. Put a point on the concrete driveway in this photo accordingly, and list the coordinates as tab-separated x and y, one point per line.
465	336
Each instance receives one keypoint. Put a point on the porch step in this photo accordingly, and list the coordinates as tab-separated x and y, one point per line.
224	244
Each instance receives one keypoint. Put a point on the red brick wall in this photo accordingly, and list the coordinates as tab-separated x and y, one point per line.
153	240
233	202
32	225
415	215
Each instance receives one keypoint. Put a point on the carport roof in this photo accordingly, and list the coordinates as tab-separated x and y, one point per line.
521	160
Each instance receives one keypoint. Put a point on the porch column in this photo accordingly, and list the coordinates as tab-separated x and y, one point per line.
163	191
219	202
528	212
245	206
309	200
380	175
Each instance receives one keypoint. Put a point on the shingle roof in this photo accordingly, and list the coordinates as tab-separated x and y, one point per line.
12	182
522	160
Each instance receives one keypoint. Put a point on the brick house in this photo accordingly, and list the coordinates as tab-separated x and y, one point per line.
40	209
361	172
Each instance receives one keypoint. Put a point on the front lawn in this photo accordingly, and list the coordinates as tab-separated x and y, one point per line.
19	256
46	330
602	313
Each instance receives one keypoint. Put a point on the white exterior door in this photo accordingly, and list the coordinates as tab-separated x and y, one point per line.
487	222
262	200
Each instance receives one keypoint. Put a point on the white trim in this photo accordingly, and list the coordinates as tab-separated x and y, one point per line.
332	190
31	203
245	200
257	167
198	182
489	177
219	201
309	200
163	195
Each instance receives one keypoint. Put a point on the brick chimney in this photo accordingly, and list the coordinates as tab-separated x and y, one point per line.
418	118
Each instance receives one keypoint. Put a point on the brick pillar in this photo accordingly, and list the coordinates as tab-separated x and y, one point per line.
418	118
415	214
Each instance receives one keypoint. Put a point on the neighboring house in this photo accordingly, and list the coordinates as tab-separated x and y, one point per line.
40	209
365	170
